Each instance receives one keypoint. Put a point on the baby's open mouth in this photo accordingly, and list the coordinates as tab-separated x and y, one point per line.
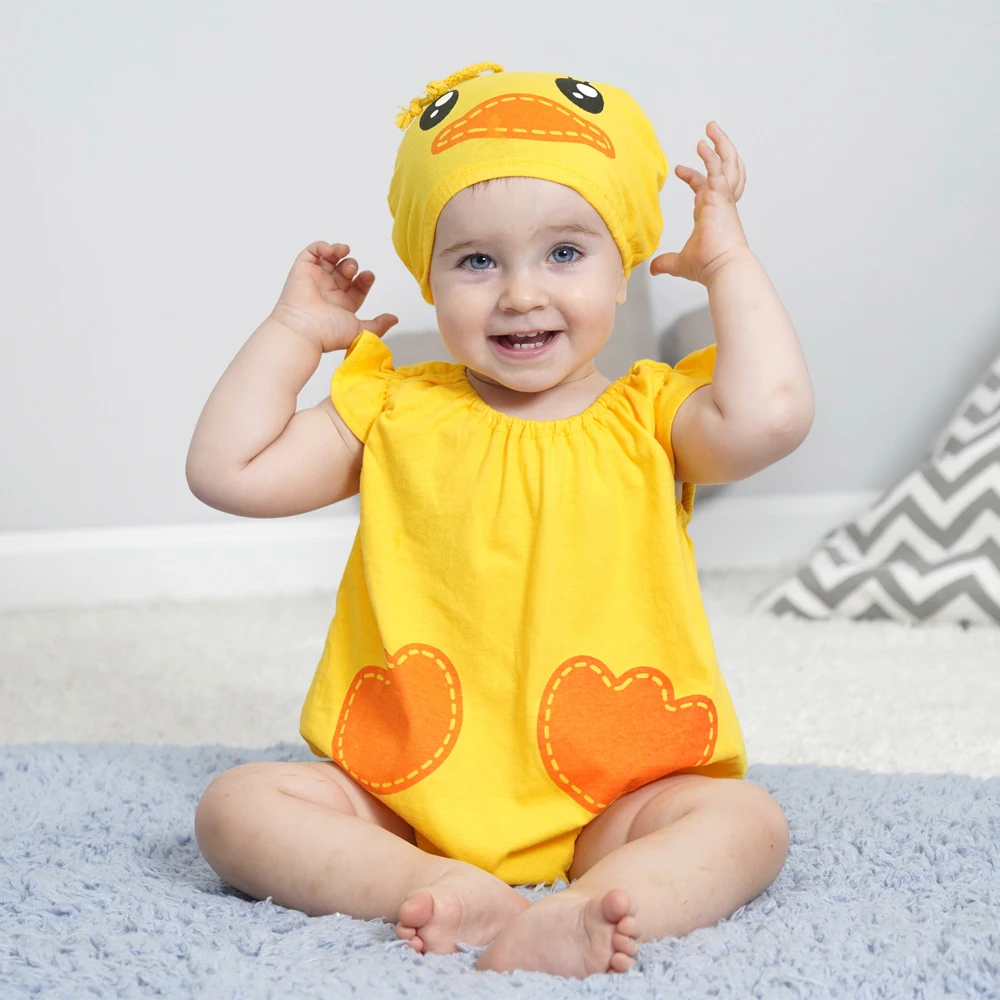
527	341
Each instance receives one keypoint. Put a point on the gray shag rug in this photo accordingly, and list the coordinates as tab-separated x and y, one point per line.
891	889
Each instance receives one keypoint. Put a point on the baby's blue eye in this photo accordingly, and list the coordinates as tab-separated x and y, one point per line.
481	261
565	260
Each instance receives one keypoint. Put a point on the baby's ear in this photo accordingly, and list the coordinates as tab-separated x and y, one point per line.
622	287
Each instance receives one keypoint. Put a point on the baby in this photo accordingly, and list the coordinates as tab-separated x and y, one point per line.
519	683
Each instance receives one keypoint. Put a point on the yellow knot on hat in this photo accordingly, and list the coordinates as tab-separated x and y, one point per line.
592	137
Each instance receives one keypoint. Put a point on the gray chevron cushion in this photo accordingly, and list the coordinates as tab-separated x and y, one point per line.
928	550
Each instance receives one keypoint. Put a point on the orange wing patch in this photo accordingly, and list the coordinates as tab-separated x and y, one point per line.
399	723
602	736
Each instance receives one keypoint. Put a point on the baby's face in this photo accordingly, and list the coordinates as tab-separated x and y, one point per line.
521	266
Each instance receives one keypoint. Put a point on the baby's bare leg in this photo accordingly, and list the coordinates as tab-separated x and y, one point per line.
680	853
313	840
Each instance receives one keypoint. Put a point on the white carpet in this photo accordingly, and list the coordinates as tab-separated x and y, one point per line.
872	695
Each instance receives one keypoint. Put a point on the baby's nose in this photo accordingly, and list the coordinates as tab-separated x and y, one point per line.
522	290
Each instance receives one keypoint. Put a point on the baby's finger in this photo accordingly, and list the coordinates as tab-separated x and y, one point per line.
724	145
360	288
713	162
343	273
731	162
692	177
325	251
380	324
743	179
357	289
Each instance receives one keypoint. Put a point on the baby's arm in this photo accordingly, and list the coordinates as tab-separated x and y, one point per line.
251	453
759	407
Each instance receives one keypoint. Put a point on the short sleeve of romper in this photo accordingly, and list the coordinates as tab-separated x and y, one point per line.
690	373
362	383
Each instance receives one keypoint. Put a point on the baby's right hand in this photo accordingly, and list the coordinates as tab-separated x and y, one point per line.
321	295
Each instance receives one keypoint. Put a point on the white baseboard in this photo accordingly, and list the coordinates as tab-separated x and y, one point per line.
85	567
732	532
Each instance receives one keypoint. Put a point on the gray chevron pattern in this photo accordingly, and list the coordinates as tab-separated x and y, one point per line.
928	550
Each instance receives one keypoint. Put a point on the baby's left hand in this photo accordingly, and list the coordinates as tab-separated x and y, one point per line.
718	233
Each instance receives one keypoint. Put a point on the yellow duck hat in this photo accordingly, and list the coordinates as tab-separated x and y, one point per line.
592	137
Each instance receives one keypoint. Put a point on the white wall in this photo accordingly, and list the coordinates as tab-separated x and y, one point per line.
164	162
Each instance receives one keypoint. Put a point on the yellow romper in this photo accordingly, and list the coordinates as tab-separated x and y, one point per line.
519	637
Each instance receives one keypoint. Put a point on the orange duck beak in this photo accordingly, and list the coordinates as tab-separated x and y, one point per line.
523	116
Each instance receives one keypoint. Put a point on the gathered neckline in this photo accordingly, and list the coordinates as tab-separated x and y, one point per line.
534	427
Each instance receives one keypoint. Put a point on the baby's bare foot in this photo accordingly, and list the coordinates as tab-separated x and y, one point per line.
465	904
569	934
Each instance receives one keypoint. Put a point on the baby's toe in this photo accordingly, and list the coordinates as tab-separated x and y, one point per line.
615	905
417	909
405	932
620	962
628	925
624	943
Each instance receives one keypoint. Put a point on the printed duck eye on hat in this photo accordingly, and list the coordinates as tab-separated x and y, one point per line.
592	137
